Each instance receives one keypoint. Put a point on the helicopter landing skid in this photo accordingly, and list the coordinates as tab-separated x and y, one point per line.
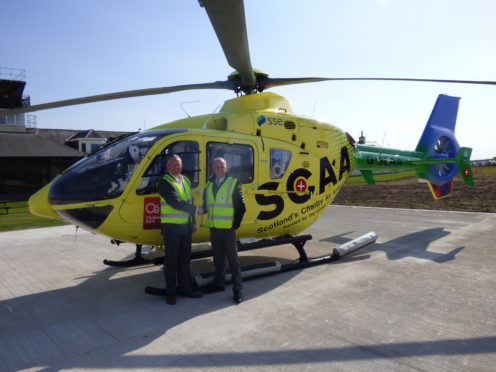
297	241
136	261
206	280
253	270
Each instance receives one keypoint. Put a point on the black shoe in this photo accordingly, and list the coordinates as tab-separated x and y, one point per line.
170	299
238	297
194	294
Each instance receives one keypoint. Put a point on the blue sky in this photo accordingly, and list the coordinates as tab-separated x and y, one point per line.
79	48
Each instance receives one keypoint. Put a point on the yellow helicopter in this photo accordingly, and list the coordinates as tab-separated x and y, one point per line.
290	167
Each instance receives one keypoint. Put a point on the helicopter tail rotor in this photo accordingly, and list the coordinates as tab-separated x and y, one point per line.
437	143
438	140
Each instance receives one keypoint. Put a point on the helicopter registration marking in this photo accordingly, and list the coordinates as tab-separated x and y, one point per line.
384	160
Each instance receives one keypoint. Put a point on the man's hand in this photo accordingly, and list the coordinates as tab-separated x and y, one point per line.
199	210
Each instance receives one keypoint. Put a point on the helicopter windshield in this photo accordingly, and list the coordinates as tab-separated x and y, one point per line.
105	173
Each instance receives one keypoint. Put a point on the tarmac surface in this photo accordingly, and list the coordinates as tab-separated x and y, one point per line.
421	298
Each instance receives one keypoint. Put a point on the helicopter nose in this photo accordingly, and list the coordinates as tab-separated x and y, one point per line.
39	205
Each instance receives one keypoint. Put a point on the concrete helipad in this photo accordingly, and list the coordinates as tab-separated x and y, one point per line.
423	297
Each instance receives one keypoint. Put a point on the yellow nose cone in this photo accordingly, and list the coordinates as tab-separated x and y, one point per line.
39	205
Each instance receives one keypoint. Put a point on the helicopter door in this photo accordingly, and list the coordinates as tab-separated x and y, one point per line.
239	158
142	205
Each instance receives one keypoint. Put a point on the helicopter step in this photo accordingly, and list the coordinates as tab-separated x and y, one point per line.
272	267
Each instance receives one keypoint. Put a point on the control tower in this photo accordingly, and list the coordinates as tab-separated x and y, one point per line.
12	83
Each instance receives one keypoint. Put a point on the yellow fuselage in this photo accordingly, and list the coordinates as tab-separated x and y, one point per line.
294	167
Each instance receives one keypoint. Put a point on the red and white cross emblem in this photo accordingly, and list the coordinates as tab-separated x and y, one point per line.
301	185
466	172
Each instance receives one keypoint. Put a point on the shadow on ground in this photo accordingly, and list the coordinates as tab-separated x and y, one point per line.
107	311
411	245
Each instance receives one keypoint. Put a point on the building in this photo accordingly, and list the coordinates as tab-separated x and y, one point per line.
11	96
32	157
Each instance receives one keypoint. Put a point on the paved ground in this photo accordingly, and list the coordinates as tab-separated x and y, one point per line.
421	298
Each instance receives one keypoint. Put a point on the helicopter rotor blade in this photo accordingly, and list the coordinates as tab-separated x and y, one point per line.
264	83
117	95
228	20
275	82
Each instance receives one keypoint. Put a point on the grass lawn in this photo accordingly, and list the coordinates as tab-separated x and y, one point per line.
20	218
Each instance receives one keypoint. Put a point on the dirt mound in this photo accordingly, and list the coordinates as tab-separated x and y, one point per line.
409	193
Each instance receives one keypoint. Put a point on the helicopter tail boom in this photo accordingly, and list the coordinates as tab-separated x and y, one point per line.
437	157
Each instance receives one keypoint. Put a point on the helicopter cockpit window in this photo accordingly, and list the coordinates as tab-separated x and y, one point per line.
189	153
105	173
239	159
279	161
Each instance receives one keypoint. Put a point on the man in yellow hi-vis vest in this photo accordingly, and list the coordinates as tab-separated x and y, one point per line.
177	218
223	201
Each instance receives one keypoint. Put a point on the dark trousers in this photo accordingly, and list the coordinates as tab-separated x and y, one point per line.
224	245
177	255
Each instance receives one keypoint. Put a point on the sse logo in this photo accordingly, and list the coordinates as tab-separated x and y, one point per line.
276	121
261	120
271	121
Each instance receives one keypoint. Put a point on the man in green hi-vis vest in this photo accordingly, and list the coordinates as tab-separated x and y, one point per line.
223	201
177	218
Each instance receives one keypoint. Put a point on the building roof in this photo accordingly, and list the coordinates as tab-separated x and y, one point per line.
89	133
43	143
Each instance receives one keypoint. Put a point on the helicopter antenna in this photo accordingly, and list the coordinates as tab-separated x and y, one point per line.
182	108
314	106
